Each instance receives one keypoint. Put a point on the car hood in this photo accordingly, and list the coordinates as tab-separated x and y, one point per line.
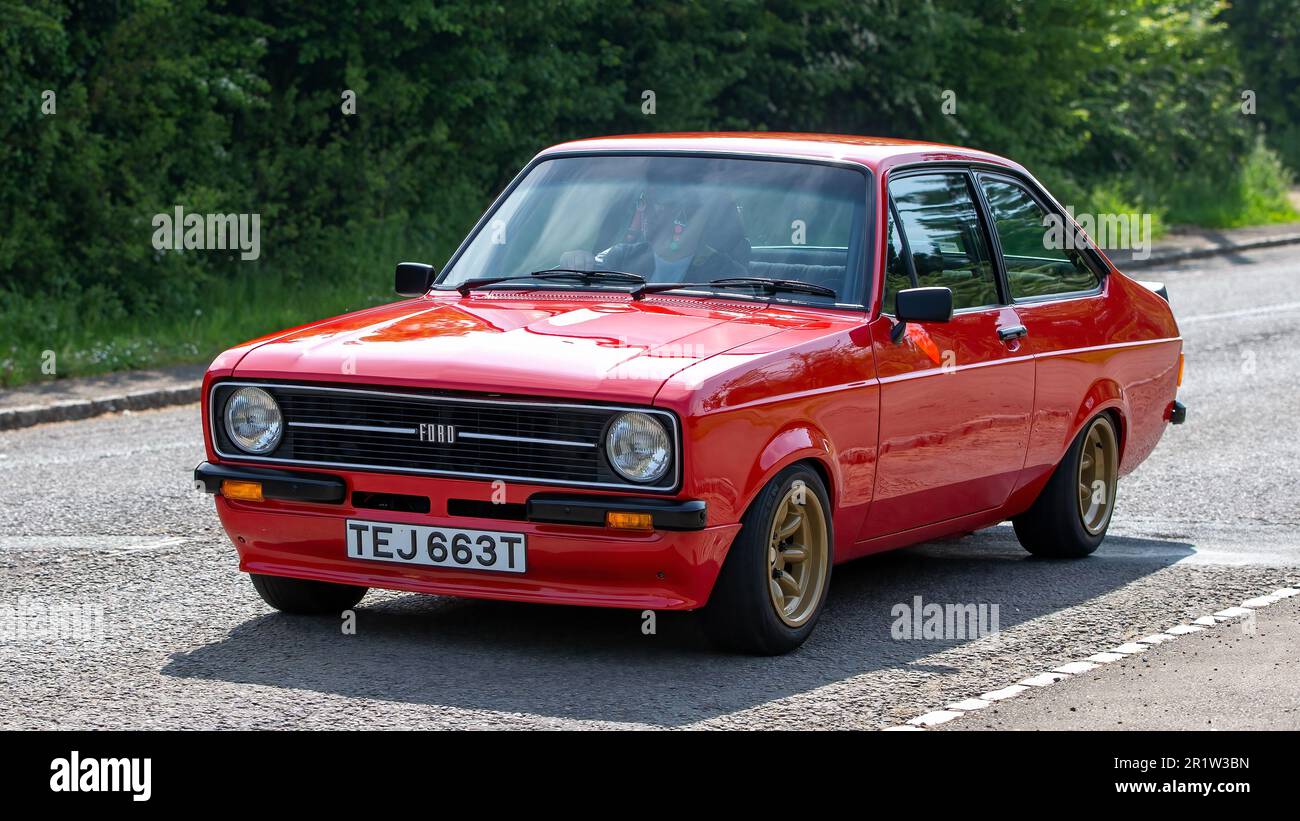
572	345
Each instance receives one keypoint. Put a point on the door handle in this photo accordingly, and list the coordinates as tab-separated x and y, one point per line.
1012	332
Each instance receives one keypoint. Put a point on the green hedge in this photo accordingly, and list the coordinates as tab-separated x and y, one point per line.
235	107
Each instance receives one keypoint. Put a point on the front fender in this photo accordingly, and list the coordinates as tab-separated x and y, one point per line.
794	443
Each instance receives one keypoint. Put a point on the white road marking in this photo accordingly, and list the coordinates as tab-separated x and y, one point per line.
937	717
1271	598
1074	668
171	541
74	455
1156	638
1106	658
1129	648
1258	602
1005	692
959	708
1233	613
58	549
1263	309
1044	679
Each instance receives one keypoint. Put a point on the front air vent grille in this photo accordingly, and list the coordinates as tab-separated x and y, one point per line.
411	432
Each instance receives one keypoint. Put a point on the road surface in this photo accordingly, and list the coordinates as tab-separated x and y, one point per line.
100	525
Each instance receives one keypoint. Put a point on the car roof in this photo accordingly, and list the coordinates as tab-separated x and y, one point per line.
877	153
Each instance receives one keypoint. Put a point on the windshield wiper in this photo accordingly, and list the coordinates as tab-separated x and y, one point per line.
554	273
640	291
772	286
622	276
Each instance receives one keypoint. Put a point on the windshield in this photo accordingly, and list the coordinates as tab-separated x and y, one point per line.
677	219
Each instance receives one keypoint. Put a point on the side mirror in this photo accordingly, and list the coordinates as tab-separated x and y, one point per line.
921	305
414	278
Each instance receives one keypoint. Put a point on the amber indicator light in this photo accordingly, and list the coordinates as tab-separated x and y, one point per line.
243	491
629	521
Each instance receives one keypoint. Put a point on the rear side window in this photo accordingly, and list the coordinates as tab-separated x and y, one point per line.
942	226
1034	266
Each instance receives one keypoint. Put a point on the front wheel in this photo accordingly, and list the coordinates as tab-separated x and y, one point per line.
1070	516
773	584
305	596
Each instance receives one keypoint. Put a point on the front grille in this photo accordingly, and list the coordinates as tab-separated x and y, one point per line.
547	443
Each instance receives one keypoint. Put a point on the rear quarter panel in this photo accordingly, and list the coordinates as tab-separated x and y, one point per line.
1115	350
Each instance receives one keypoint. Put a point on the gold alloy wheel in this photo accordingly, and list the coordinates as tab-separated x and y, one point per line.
797	550
1098	471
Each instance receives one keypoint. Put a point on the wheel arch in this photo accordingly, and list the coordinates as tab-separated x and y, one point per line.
1103	396
1117	419
796	443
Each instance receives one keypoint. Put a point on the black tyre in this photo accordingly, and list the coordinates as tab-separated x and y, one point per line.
773	584
1069	518
304	596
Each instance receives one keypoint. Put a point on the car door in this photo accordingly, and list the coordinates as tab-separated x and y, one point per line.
1057	292
956	397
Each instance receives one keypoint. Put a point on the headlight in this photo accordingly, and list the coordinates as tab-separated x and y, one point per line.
638	447
253	420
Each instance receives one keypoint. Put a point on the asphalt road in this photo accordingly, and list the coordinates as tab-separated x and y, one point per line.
1243	675
100	526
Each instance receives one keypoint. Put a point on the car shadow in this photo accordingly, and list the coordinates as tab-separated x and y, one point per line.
596	664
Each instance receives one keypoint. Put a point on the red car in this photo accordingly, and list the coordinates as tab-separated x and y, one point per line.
694	372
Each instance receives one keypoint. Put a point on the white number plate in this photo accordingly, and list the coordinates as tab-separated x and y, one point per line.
437	546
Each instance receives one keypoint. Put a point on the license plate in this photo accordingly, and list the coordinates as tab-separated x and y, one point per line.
437	546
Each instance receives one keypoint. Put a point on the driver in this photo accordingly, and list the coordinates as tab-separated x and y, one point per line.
675	235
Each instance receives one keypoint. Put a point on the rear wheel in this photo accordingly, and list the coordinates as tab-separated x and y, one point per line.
773	584
305	596
1070	517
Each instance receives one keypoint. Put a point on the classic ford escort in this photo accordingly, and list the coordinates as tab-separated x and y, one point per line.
695	372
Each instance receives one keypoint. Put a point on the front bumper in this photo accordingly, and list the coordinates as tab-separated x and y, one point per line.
572	557
284	485
554	508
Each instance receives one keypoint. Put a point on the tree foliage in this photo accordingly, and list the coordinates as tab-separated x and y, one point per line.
1267	36
235	107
